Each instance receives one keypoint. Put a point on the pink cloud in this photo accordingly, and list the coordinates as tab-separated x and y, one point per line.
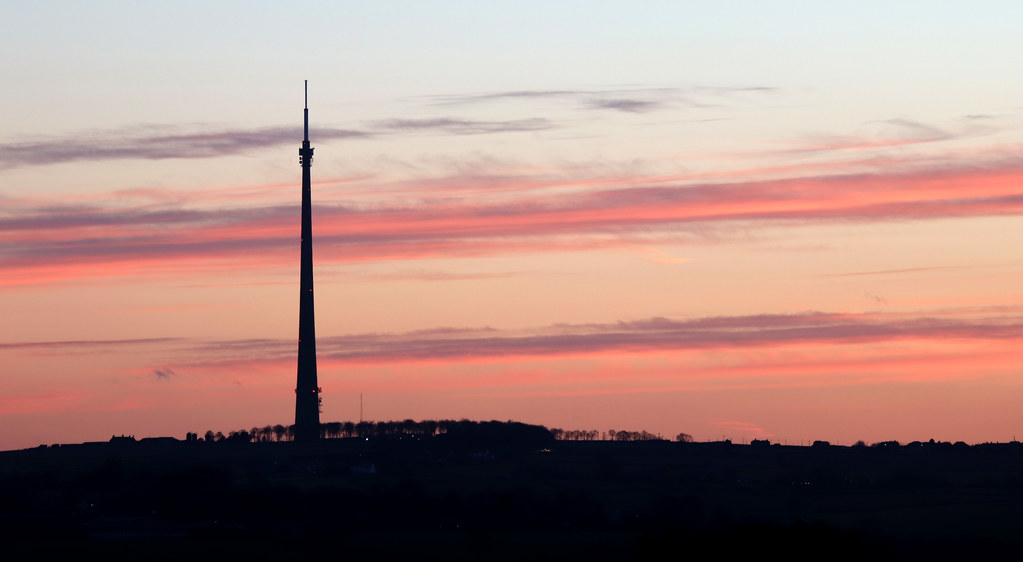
50	241
654	335
744	427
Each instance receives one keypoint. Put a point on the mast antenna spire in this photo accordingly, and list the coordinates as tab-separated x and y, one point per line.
307	391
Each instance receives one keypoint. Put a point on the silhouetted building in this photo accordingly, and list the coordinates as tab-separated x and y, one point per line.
307	392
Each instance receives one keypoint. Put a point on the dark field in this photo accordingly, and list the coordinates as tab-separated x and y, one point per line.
433	499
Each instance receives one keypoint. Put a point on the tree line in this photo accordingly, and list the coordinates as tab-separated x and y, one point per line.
424	428
613	435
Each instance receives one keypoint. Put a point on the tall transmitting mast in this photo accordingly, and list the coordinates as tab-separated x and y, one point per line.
307	393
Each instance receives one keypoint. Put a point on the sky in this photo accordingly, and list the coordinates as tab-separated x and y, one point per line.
792	221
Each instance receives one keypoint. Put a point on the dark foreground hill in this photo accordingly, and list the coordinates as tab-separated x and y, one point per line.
421	498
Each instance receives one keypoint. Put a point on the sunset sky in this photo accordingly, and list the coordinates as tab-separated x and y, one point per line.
777	220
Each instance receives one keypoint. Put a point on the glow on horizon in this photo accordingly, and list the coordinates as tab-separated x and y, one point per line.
576	220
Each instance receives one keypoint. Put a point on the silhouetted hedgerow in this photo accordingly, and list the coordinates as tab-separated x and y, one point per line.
464	429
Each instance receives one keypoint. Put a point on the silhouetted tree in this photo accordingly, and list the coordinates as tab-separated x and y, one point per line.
443	426
429	427
240	436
